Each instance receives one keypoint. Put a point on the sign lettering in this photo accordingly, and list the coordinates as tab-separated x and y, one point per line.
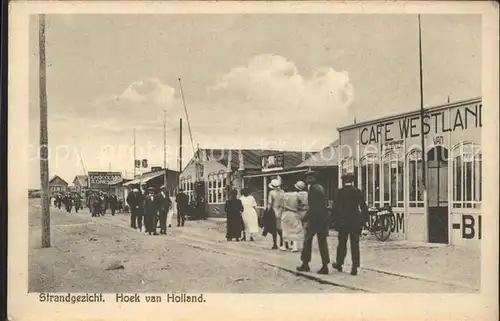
398	222
101	179
469	228
437	122
272	162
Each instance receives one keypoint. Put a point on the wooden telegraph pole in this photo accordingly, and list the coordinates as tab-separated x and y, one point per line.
422	133
44	153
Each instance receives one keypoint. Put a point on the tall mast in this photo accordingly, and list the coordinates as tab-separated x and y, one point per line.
44	137
165	147
422	133
134	154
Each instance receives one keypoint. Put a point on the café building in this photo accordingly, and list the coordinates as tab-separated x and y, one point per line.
386	157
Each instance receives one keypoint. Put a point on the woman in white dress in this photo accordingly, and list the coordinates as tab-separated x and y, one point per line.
291	218
250	218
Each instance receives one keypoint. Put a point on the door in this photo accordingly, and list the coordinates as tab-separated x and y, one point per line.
437	194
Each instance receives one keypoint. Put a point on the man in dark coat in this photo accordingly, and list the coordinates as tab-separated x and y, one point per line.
150	211
163	203
113	203
77	201
182	201
350	213
316	223
135	203
68	202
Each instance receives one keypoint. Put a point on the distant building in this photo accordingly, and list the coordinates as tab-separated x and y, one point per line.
57	184
155	179
80	183
217	171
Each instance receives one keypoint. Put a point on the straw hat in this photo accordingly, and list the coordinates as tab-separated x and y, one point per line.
300	185
274	184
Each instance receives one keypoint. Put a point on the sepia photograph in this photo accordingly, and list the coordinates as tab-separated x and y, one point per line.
171	156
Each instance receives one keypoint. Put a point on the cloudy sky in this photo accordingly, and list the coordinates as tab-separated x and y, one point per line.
250	81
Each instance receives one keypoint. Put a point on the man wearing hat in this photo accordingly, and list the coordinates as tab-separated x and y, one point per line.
163	203
134	201
316	223
150	211
349	220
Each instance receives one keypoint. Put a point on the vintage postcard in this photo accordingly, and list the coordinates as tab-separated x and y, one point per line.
253	160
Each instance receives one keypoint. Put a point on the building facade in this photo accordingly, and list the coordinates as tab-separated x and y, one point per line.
80	183
57	184
215	172
386	157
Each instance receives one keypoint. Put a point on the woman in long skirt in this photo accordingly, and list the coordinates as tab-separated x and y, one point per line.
234	222
291	219
250	218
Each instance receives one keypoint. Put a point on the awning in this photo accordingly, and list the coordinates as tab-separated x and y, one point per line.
284	172
144	179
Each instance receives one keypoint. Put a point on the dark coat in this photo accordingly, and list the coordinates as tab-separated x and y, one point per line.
268	222
182	200
163	203
150	212
234	208
349	211
135	202
317	217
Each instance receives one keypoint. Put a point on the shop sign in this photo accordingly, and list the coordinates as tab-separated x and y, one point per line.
272	162
438	122
398	222
469	226
102	179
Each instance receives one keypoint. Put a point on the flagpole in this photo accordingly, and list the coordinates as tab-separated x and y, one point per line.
134	154
422	134
165	147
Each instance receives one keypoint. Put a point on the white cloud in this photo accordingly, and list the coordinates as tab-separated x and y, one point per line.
267	99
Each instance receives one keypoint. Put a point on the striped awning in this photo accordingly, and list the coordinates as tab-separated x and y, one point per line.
144	179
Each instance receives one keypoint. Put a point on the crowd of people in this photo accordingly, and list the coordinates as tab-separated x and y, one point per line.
148	208
69	200
295	214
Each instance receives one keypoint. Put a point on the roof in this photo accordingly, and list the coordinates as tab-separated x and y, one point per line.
149	176
412	113
327	157
251	157
58	177
82	179
119	181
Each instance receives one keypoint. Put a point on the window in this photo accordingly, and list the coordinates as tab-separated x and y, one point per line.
370	179
187	187
217	188
415	186
467	176
393	173
349	165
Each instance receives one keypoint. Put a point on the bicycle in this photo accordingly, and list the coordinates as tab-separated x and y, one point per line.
382	224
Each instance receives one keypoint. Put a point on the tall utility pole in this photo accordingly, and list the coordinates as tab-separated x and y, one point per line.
134	154
44	139
165	147
180	145
422	133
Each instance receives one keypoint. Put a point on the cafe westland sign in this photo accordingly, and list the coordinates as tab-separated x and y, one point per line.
436	123
273	162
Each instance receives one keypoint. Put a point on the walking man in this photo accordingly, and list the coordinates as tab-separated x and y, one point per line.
135	203
316	223
182	207
113	202
349	220
150	211
163	201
